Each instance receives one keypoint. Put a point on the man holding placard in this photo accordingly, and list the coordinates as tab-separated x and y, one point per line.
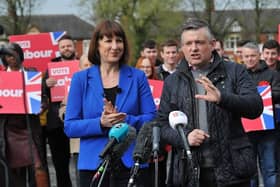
58	141
264	139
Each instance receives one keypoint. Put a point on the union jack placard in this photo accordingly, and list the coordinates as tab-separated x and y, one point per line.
32	80
20	92
266	120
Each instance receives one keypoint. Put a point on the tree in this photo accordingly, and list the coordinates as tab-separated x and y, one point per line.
141	19
214	12
259	18
17	14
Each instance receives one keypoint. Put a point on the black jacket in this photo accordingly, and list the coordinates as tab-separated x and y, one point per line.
272	77
263	73
233	154
53	120
36	136
161	73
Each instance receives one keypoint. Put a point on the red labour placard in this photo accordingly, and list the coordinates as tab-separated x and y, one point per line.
62	72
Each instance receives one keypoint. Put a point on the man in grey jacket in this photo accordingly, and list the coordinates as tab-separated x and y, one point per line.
214	95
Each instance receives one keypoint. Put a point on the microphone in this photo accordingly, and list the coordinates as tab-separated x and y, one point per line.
118	149
116	134
178	120
142	149
121	147
156	138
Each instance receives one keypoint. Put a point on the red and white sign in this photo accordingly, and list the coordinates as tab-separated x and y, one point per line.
266	120
279	33
156	88
11	95
38	49
62	72
20	93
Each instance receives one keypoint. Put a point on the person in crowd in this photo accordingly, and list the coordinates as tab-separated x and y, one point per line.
149	50
264	142
270	54
108	93
56	138
219	47
146	65
238	51
169	54
21	140
74	142
214	95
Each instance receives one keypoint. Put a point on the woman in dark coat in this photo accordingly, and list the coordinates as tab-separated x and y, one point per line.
21	145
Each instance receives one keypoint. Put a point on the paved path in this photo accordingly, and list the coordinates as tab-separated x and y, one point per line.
52	171
73	170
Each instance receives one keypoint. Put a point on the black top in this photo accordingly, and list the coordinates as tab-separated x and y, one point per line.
111	93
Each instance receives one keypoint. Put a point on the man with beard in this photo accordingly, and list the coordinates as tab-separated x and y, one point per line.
57	140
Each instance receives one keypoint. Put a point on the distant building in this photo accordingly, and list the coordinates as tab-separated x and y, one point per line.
241	25
79	29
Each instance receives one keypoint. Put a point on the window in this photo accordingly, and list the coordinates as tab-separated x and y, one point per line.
235	27
231	42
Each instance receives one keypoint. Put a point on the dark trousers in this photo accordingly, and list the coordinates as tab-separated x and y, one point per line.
60	151
208	179
23	177
117	178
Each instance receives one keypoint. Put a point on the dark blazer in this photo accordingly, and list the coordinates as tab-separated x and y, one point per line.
85	105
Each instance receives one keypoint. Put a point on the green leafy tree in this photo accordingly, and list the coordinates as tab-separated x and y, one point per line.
141	19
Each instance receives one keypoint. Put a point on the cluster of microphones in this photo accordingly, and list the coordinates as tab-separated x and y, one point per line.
147	144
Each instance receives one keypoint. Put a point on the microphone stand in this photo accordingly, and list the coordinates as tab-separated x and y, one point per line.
103	174
100	172
134	174
156	168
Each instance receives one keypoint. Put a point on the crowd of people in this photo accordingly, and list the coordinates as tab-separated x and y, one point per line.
212	90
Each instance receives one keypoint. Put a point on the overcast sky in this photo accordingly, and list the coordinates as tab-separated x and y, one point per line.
57	7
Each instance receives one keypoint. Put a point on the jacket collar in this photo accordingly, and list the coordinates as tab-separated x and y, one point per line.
125	82
215	68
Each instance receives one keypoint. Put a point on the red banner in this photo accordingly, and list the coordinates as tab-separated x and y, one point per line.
62	72
38	49
279	33
156	88
20	94
266	120
11	93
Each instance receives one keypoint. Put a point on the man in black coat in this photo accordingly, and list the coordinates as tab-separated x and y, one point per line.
214	95
264	141
57	140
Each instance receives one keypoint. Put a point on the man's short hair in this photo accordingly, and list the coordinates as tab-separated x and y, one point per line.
195	24
252	45
169	43
150	44
241	43
271	44
66	37
221	43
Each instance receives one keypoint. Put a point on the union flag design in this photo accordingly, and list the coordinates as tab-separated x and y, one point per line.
266	120
55	36
32	80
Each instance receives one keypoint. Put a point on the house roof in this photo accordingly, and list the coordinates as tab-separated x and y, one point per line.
73	25
269	19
